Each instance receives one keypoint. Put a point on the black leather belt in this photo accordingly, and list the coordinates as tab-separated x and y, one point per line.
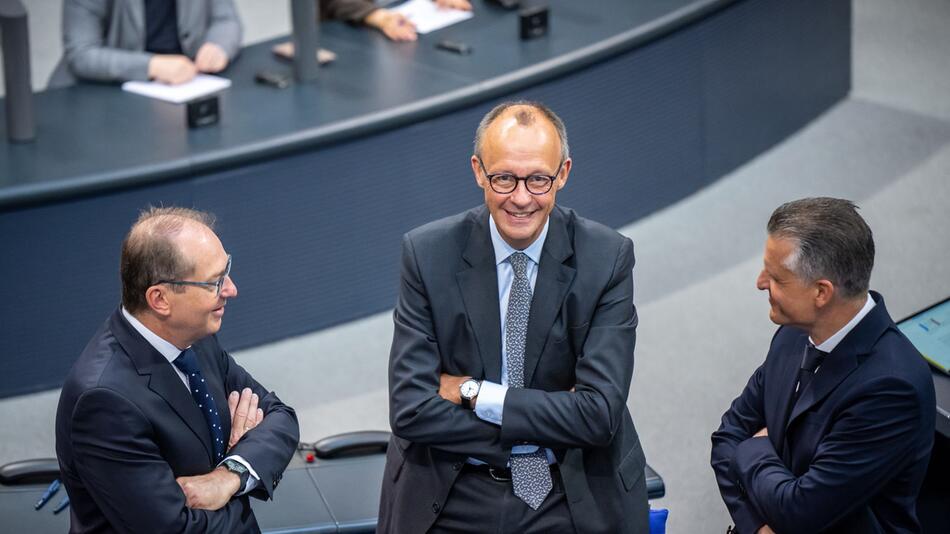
501	474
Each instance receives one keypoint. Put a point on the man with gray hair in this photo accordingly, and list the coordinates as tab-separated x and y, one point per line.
147	436
833	431
512	356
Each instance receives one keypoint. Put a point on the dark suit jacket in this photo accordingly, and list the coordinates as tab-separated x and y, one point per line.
850	455
581	333
126	427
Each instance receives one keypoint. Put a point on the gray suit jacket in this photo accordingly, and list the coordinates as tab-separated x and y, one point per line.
581	334
104	40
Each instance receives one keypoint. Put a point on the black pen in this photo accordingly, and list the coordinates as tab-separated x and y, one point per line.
48	494
62	505
454	46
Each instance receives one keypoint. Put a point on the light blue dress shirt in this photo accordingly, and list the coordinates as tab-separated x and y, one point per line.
491	397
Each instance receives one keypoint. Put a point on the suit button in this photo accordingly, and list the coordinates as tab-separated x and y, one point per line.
457	465
436	508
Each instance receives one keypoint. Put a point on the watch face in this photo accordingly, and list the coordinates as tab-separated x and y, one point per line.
236	467
469	389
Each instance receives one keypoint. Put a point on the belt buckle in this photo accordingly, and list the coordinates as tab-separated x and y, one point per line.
499	477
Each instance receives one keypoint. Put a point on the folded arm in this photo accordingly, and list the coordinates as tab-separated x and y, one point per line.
417	412
589	415
120	463
270	445
864	448
744	418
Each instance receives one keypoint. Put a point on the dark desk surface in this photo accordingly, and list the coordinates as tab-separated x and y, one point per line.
95	137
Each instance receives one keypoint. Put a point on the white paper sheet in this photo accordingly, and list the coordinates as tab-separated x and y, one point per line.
201	85
428	17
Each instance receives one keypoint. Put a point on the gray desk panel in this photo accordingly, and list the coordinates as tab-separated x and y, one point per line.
315	222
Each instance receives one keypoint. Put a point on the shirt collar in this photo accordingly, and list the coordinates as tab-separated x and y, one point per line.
166	349
503	249
832	342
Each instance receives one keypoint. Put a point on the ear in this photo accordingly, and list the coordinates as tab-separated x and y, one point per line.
565	172
156	297
477	171
825	293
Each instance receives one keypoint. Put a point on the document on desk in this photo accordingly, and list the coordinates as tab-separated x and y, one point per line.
428	17
201	85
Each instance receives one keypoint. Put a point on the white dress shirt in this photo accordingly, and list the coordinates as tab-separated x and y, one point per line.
829	344
171	352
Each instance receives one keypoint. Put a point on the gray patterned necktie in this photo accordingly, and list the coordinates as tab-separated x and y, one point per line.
530	474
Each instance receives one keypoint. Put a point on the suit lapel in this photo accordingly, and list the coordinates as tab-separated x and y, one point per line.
163	380
846	357
478	284
785	400
550	288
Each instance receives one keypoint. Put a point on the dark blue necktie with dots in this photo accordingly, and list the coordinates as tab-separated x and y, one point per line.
187	361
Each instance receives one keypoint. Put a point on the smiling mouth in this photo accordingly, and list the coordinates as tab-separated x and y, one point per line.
524	215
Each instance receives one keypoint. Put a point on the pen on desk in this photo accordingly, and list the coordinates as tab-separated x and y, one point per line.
62	505
48	494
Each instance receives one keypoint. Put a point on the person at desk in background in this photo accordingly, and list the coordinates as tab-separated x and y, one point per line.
147	438
392	24
167	41
833	432
512	356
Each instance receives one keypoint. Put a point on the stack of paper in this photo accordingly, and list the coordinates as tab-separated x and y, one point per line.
201	85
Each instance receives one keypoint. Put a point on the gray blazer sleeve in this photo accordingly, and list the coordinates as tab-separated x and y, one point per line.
224	27
85	25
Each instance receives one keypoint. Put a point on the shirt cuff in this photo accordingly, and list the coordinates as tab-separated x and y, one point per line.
490	402
252	481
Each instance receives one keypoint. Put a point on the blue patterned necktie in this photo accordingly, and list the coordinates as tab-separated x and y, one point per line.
530	473
187	362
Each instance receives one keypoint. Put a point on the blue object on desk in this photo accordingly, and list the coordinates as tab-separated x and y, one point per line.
48	494
62	505
658	521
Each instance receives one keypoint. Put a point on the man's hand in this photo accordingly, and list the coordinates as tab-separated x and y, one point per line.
449	388
394	25
245	414
211	58
172	69
211	491
764	433
765	529
464	5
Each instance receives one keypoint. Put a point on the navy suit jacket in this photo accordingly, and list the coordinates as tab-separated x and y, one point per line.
849	455
127	426
581	334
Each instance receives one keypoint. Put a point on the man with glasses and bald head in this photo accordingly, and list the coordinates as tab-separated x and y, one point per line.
512	356
147	436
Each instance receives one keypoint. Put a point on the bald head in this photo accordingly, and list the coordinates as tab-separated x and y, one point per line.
523	114
151	251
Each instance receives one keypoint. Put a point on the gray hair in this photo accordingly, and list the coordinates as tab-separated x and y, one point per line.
524	118
149	253
833	242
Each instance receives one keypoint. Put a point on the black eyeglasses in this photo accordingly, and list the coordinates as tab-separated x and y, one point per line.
217	284
505	182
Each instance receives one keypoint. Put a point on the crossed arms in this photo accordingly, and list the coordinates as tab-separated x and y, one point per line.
859	453
124	468
586	416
